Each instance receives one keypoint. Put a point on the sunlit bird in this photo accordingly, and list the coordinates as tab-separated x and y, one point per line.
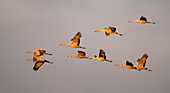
101	57
81	55
39	52
128	65
38	62
142	20
140	63
75	42
109	30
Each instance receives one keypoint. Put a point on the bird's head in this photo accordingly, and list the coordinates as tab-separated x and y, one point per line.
96	31
61	44
130	21
116	65
28	52
69	56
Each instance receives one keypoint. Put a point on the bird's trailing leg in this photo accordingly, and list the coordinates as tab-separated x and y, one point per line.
49	62
48	54
118	33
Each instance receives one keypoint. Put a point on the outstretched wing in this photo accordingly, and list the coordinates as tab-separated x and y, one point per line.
113	29
141	62
76	39
81	53
107	34
102	54
37	65
143	18
42	52
129	63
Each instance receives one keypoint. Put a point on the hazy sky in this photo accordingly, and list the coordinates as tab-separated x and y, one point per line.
32	24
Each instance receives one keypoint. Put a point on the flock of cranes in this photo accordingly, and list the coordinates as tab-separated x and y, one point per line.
75	43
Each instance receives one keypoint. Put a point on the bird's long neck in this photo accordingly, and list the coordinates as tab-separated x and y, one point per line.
134	21
100	30
64	44
119	65
71	56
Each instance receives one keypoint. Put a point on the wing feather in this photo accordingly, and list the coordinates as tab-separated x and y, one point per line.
102	54
76	39
143	18
81	53
129	63
142	61
37	65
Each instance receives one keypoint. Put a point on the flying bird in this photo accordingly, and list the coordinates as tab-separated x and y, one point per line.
75	42
101	57
109	30
38	62
140	63
81	55
142	20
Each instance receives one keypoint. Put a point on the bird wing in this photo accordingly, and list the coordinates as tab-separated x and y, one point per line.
81	53
137	61
129	63
142	61
102	54
42	52
143	18
76	39
113	29
107	34
37	65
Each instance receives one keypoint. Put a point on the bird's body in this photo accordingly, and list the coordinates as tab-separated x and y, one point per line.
142	20
38	62
109	30
75	42
140	63
101	57
81	55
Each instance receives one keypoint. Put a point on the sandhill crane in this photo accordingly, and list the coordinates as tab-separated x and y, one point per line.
109	30
39	52
81	55
140	63
101	57
142	20
128	65
38	62
75	42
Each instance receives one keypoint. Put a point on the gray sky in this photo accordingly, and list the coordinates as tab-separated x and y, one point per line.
32	24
